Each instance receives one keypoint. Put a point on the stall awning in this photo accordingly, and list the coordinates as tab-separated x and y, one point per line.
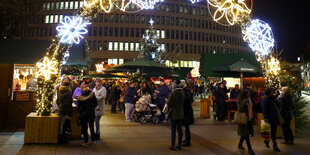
230	65
31	51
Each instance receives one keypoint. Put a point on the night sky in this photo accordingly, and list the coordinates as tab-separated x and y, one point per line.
289	21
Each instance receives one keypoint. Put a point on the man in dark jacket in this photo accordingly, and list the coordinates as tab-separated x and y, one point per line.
163	93
113	96
270	113
234	93
176	113
130	98
188	112
87	103
221	96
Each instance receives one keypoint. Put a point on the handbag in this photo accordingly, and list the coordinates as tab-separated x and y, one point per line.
281	120
241	118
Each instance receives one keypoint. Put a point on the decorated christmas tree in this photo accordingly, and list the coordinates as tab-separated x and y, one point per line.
150	49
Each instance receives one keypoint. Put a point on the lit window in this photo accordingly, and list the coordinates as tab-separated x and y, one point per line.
162	33
66	5
81	4
76	5
48	6
137	47
57	5
61	5
158	33
162	47
185	64
47	19
110	61
121	46
115	46
110	46
190	64
44	6
52	19
56	19
114	61
60	17
126	46
71	5
132	46
182	63
167	63
120	61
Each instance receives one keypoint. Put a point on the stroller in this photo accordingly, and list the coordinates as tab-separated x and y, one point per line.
146	111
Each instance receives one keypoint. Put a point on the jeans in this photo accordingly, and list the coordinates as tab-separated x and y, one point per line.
129	111
273	133
287	131
113	105
247	140
97	122
161	106
85	123
176	124
62	123
187	134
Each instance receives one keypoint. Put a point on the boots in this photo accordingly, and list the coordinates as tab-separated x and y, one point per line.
276	149
251	152
97	136
267	143
240	147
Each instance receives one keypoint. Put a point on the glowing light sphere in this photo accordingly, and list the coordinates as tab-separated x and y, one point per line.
71	29
47	67
195	1
229	12
273	66
259	36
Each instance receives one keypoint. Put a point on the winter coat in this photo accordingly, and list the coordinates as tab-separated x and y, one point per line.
113	94
286	106
87	102
269	110
188	109
247	129
129	94
100	94
234	94
176	104
163	93
221	96
64	101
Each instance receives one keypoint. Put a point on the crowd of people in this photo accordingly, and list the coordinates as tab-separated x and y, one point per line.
277	109
91	97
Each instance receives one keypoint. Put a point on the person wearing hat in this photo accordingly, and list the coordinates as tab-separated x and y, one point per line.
130	97
100	93
163	93
175	105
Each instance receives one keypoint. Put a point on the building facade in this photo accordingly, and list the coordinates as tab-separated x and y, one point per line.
185	30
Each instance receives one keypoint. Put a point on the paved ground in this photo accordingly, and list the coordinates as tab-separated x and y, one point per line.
119	137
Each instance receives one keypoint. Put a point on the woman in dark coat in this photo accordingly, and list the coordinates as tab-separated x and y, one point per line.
176	113
64	102
270	113
244	104
188	112
87	102
221	96
286	109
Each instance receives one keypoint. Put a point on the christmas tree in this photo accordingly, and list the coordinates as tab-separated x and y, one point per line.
150	49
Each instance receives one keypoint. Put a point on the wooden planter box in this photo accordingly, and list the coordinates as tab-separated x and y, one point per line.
41	129
205	107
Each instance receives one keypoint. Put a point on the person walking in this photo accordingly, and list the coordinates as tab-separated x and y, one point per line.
175	105
220	97
163	94
100	93
244	104
188	112
270	112
87	103
64	102
130	97
286	109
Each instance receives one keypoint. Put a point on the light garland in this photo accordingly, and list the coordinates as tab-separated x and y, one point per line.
273	66
47	67
230	11
259	36
71	29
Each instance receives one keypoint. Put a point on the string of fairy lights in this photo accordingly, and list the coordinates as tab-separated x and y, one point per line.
72	29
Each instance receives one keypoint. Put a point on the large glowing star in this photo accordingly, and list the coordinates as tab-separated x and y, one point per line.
71	29
273	66
229	10
47	68
259	36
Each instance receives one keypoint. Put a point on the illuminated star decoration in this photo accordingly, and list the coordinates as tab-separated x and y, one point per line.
105	5
71	29
273	66
195	1
231	10
259	36
47	68
151	22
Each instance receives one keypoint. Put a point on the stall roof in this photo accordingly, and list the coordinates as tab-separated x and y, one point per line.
212	61
31	51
